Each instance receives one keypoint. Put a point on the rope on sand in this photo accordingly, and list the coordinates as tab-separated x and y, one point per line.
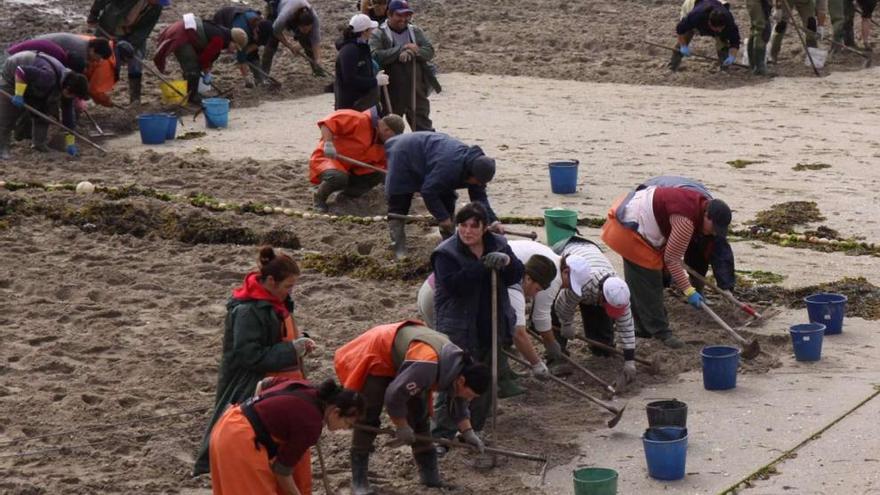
200	200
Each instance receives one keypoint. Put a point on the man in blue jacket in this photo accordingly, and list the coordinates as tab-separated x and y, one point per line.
434	165
708	18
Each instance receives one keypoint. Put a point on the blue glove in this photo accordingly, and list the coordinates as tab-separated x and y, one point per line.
729	60
207	78
694	298
18	101
72	150
684	50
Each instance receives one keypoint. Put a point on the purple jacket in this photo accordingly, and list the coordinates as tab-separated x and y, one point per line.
45	46
43	75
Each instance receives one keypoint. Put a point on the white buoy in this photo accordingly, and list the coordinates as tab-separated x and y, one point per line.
288	212
267	209
278	209
85	187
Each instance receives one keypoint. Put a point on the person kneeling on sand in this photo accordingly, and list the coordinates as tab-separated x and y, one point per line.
590	284
434	165
352	134
260	339
255	444
398	366
653	228
539	285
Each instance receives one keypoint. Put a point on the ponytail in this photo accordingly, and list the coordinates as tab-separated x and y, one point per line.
277	265
349	402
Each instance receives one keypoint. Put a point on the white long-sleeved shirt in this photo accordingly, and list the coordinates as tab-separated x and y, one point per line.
542	306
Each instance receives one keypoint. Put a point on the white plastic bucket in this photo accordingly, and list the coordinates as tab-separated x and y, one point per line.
819	56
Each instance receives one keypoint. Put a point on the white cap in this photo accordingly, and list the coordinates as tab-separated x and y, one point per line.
580	272
362	22
616	294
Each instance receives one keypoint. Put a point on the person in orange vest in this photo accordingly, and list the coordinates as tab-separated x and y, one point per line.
260	339
398	366
664	221
255	444
101	60
354	134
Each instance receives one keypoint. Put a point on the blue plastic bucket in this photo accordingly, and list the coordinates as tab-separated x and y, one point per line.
564	176
216	112
807	341
666	452
719	367
171	131
153	127
827	309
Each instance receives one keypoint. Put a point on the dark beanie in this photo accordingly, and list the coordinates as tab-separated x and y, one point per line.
101	47
482	168
541	269
477	377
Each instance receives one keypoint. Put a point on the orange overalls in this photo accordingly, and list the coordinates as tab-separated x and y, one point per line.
353	136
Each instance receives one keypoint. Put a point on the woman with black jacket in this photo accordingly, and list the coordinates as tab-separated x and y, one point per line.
357	77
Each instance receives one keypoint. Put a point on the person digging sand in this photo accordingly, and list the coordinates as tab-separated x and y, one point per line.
708	18
260	339
591	285
398	367
653	228
255	444
353	134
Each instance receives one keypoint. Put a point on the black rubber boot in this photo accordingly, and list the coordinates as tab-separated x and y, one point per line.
429	471
134	90
192	86
324	191
750	49
760	62
4	145
360	485
397	228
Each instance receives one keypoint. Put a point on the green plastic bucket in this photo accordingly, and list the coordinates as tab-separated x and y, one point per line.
595	481
560	224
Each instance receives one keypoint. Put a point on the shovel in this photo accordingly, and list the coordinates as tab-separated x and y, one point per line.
618	413
751	349
756	316
432	221
101	132
607	386
652	366
694	55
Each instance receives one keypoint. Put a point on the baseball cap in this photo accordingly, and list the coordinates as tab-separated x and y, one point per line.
361	22
720	214
580	273
401	6
616	295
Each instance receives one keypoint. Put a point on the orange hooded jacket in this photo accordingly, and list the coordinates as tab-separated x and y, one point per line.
354	136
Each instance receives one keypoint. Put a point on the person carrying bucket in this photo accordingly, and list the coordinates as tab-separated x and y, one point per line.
131	21
397	367
255	444
42	82
260	339
664	220
353	134
590	284
434	165
196	44
464	266
539	285
258	31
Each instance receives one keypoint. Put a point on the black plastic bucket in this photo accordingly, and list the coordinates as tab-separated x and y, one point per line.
667	413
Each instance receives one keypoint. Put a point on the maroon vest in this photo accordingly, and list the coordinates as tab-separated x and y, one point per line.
670	201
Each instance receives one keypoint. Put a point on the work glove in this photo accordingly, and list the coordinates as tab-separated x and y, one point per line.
80	104
405	56
329	149
693	297
470	437
207	78
729	60
404	435
541	371
18	101
554	350
567	331
382	78
303	346
626	376
495	261
72	150
684	50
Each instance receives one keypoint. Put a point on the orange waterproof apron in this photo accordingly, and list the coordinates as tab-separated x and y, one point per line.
628	243
237	466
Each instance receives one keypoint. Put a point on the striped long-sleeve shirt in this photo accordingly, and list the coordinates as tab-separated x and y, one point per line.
675	249
567	302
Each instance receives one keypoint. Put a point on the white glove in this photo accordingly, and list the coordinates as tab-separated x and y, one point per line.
626	376
567	331
382	78
303	346
470	437
541	371
405	56
330	148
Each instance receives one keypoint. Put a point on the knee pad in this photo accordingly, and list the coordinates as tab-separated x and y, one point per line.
811	24
780	27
